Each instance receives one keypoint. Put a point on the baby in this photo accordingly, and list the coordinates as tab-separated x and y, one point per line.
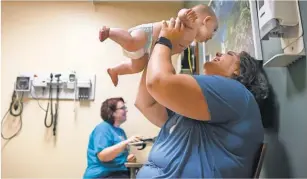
200	23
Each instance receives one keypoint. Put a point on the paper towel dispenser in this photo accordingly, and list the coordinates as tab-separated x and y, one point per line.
282	19
276	16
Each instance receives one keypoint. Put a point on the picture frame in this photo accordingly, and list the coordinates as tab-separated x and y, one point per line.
238	29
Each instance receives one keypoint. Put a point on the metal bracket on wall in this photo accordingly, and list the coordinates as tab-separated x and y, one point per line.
293	50
282	60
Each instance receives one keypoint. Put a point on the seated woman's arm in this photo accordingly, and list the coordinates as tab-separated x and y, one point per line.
148	106
109	153
103	144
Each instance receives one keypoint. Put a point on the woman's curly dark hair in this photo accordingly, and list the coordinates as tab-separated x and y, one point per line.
253	77
108	107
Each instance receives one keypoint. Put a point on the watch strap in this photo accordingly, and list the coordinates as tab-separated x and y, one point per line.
164	41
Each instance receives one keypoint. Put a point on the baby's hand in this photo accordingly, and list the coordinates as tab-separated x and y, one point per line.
188	18
191	15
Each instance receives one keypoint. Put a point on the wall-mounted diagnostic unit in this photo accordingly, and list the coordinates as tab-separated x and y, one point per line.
53	86
282	19
61	85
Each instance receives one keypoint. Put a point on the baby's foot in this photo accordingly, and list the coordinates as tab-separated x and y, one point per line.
113	75
104	33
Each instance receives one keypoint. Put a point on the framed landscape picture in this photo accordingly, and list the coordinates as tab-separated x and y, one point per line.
238	28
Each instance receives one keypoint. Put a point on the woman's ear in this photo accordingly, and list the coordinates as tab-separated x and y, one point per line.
237	69
237	72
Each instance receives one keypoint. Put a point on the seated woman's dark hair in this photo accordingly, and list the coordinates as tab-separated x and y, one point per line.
108	107
253	77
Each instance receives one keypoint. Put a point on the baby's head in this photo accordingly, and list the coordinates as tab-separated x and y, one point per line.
207	22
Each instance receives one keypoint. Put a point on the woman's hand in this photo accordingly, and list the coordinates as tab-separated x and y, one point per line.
109	153
174	31
133	139
131	158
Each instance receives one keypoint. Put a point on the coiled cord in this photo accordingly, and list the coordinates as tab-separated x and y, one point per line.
15	109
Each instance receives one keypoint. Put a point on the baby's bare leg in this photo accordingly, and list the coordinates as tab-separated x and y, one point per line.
129	67
129	41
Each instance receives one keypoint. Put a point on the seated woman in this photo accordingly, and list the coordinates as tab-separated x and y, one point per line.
108	144
210	124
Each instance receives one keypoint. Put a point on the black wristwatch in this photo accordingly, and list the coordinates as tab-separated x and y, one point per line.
164	41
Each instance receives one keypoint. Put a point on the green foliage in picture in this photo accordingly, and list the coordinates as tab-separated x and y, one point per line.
235	28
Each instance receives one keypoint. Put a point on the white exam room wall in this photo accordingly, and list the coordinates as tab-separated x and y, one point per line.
62	36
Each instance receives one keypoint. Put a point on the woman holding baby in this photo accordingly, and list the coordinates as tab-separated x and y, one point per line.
211	125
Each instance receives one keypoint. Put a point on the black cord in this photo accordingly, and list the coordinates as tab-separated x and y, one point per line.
16	105
46	115
56	105
55	119
51	110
